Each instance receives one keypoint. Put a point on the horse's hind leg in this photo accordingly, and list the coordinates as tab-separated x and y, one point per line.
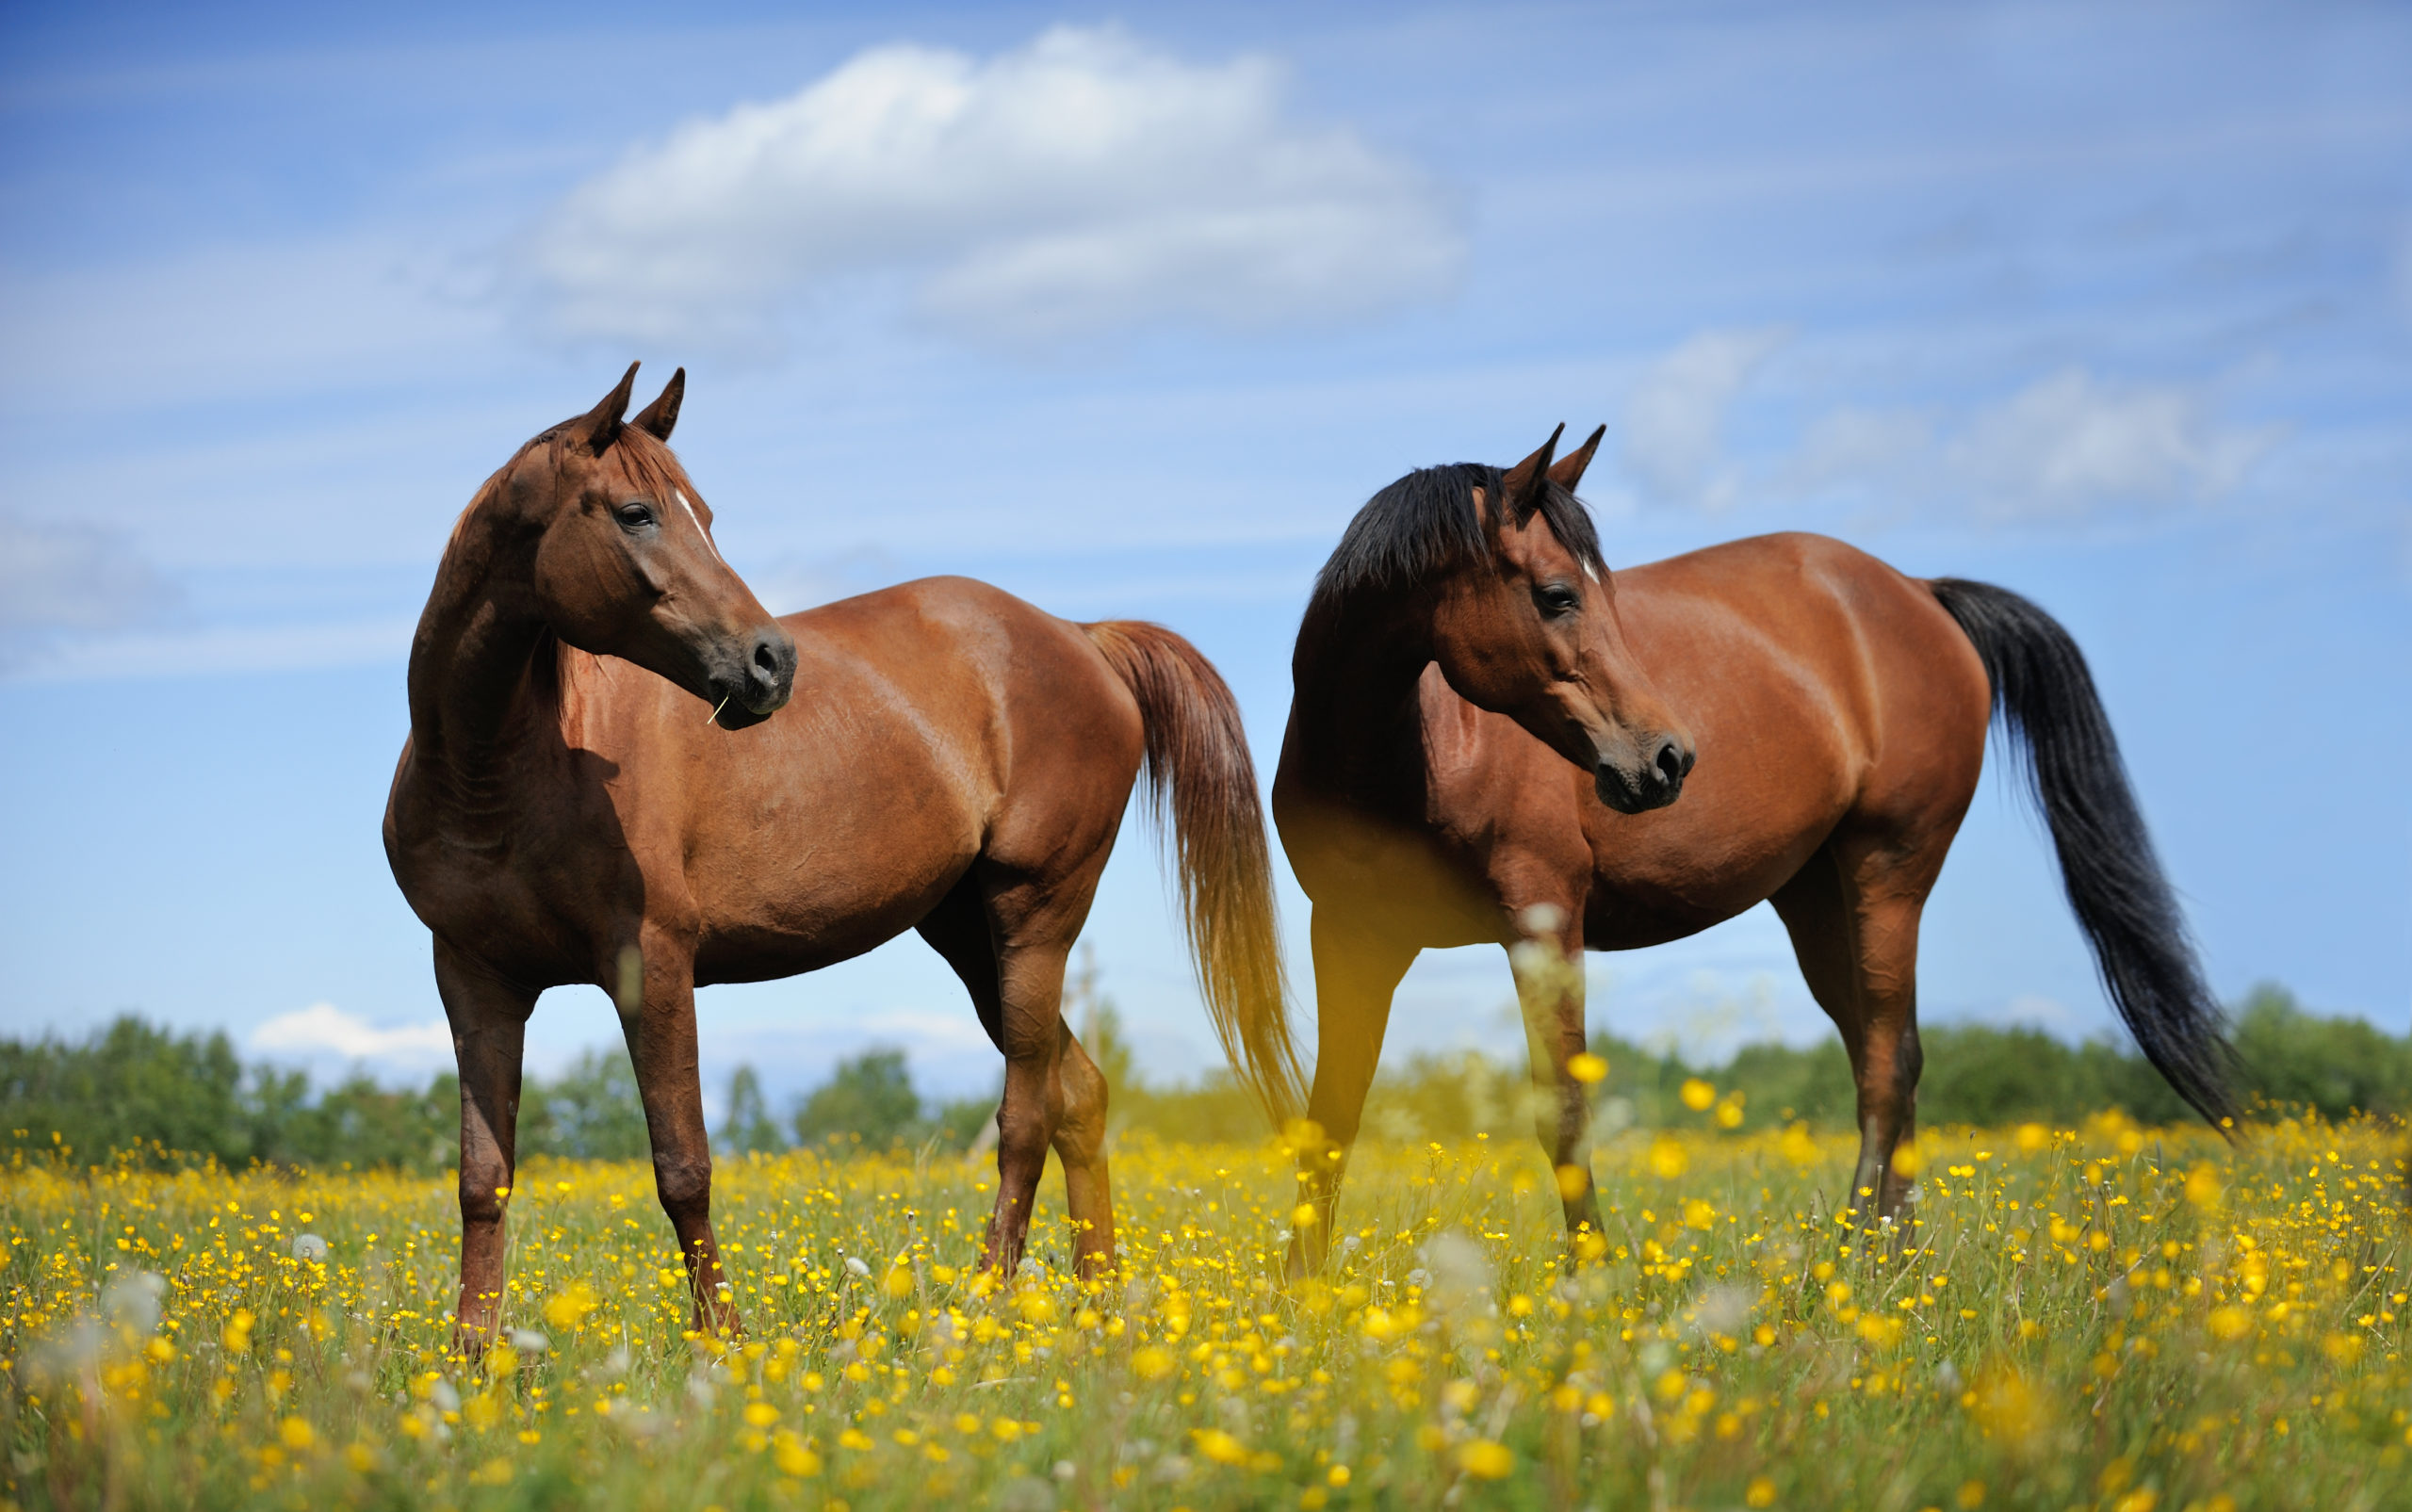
1357	972
1008	938
1079	1143
489	1020
1853	913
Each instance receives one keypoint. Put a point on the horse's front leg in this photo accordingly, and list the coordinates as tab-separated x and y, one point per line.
489	1019
1549	989
1358	971
656	998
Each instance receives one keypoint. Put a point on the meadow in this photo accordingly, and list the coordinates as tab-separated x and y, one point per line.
2105	1316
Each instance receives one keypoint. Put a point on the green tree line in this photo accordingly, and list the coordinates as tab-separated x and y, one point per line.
1974	1074
158	1097
164	1097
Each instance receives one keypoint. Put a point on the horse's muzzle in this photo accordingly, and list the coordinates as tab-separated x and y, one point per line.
761	686
1653	786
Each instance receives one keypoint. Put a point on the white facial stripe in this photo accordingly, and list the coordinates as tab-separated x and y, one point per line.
681	495
1588	573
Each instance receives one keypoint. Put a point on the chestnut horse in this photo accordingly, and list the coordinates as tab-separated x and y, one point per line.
1489	732
596	790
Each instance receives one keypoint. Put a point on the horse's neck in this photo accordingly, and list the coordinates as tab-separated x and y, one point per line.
479	671
1355	711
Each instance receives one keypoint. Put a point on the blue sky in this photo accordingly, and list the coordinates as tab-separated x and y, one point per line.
1127	311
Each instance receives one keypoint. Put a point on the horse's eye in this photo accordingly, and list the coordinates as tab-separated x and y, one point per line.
1558	598
634	515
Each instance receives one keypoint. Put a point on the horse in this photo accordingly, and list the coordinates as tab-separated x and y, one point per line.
1489	733
622	771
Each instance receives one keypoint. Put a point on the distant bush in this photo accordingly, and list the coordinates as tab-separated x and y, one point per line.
1974	1074
167	1099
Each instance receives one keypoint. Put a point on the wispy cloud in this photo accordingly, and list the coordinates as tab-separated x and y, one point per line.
2065	446
1083	184
323	1028
215	649
62	580
1674	418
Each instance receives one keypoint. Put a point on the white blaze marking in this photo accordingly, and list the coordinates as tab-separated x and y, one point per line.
681	495
1588	573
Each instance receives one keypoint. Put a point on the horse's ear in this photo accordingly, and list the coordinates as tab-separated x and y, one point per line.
600	426
1529	480
1569	469
662	417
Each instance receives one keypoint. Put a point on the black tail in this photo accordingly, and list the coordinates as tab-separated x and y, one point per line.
2043	693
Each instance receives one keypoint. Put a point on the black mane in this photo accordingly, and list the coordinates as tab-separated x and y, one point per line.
1427	523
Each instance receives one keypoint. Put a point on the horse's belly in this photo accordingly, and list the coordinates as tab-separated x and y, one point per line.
1664	875
798	901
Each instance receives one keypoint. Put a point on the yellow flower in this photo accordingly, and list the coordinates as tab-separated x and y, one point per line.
762	1414
295	1434
569	1306
1219	1446
1668	1158
2230	1324
1588	1068
2007	1407
1485	1460
794	1458
1151	1363
2204	1188
1698	1094
1761	1492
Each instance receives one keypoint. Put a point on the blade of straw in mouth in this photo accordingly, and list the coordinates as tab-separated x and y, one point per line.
713	717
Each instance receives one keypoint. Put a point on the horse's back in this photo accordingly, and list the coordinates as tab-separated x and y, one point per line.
1899	667
1034	686
1826	689
932	724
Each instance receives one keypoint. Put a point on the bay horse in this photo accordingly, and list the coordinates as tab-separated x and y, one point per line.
607	781
1489	732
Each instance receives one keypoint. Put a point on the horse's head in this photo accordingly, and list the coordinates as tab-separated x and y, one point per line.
624	562
1529	630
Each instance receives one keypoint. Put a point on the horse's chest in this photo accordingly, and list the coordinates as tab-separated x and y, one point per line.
532	903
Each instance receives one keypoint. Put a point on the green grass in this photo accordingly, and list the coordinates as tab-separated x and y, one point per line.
2111	1317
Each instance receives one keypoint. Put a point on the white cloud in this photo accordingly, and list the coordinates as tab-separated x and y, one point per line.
2070	443
58	578
323	1028
1674	418
357	312
1078	185
2065	446
215	649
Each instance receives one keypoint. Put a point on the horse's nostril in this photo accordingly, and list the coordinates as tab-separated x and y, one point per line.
766	659
1672	764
